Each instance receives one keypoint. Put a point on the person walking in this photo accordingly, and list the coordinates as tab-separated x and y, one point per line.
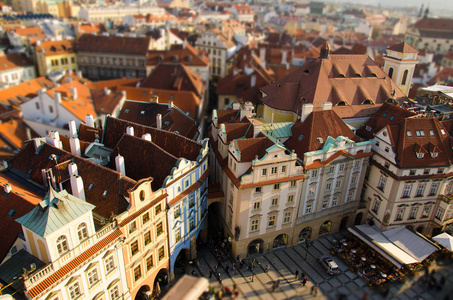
277	283
210	273
296	273
304	281
253	275
267	268
302	274
314	290
274	286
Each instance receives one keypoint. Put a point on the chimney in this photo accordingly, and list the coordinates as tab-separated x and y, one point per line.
170	104
235	72
74	144
306	111
326	106
73	91
147	137
57	97
325	51
159	121
119	163
77	187
130	130
287	66
79	74
89	120
257	129
54	139
284	56
253	80
106	91
37	143
72	129
263	54
72	169
7	188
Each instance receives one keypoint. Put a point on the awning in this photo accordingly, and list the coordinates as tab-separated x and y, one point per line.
445	240
400	245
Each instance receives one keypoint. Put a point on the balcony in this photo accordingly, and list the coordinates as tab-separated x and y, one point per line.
446	198
52	267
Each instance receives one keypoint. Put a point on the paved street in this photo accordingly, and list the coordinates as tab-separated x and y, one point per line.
283	263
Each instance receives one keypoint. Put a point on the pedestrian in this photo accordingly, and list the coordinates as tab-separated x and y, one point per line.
237	258
302	274
210	273
277	283
216	267
194	273
314	290
297	273
304	281
274	286
267	268
253	275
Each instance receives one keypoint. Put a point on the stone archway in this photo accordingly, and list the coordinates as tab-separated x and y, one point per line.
344	223
280	241
160	282
304	235
358	219
325	227
420	229
255	246
144	293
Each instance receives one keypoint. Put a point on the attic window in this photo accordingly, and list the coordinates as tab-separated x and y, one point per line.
341	103
104	194
142	112
171	96
279	85
320	140
442	131
367	102
301	137
420	133
384	115
373	75
420	155
368	128
341	76
126	110
11	212
392	117
434	154
166	123
431	132
357	75
409	133
308	72
91	186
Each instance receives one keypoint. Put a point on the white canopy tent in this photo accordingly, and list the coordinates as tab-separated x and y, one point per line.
445	240
400	245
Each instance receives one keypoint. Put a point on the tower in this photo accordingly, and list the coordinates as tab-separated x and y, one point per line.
399	65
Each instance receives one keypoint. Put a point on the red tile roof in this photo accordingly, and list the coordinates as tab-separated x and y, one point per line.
434	24
106	102
250	148
403	48
14	60
237	131
56	47
187	55
13	133
113	44
340	79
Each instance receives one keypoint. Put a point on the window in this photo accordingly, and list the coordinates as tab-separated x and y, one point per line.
404	80
387	149
51	109
271	222
408	133
134	248
350	195
413	213
325	203
331	169
433	189
311	190
407	191
287	218
109	264
132	227
158	209
290	199
178	235
354	179
191	201
145	218
74	291
37	105
137	273
93	277
277	186
314	173
283	169
149	263
382	182
254	226
425	212
328	186
399	214
257	205
147	237
334	201
308	208
420	155
338	184
426	171
377	143
376	205
177	212
264	172
293	183
341	167
391	73
159	229
161	253
114	293
440	171
258	189
440	213
412	172
62	244
387	164
192	222
420	190
274	202
357	164
274	170
82	231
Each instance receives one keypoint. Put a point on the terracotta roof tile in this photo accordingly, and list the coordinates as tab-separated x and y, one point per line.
403	48
112	84
89	134
187	55
106	101
14	60
113	44
250	148
50	48
238	130
434	24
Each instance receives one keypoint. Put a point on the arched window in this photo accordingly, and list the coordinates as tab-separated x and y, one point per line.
62	244
391	73
82	231
403	82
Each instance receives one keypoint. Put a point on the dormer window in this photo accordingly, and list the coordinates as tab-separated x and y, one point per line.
368	128
434	154
408	133
82	232
442	131
384	115
105	193
420	155
431	132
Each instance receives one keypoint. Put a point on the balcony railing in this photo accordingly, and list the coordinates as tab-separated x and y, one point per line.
327	212
52	267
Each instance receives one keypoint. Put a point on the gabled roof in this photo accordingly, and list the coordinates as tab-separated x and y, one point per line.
311	134
55	211
403	48
56	47
237	131
112	84
185	54
250	148
12	135
145	113
113	44
420	135
14	60
89	134
173	143
91	28
339	79
388	114
174	77
434	24
105	101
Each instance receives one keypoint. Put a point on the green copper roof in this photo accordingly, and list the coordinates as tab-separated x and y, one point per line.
278	130
56	210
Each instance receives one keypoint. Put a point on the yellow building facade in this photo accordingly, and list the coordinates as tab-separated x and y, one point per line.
56	56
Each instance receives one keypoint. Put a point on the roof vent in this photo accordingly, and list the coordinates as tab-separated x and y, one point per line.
7	188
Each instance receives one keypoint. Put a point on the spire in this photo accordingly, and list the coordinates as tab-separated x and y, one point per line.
325	51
